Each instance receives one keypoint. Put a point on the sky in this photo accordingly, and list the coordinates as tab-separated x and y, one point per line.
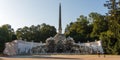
20	13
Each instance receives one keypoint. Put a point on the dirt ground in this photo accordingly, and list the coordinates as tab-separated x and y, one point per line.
63	57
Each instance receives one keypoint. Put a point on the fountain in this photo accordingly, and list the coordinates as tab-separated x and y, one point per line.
57	44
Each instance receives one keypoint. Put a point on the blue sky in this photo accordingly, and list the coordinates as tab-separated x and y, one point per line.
20	13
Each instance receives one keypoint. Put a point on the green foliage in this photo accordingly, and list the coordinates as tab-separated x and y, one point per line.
47	31
36	33
109	42
79	30
6	35
111	38
99	24
87	28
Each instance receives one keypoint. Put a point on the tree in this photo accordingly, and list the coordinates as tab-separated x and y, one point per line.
47	31
79	30
111	38
37	33
109	43
6	35
99	24
23	33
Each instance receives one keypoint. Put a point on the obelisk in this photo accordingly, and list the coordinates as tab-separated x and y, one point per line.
60	25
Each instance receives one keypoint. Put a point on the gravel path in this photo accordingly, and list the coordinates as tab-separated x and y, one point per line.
62	57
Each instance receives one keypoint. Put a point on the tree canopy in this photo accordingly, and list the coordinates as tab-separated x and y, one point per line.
7	34
36	33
